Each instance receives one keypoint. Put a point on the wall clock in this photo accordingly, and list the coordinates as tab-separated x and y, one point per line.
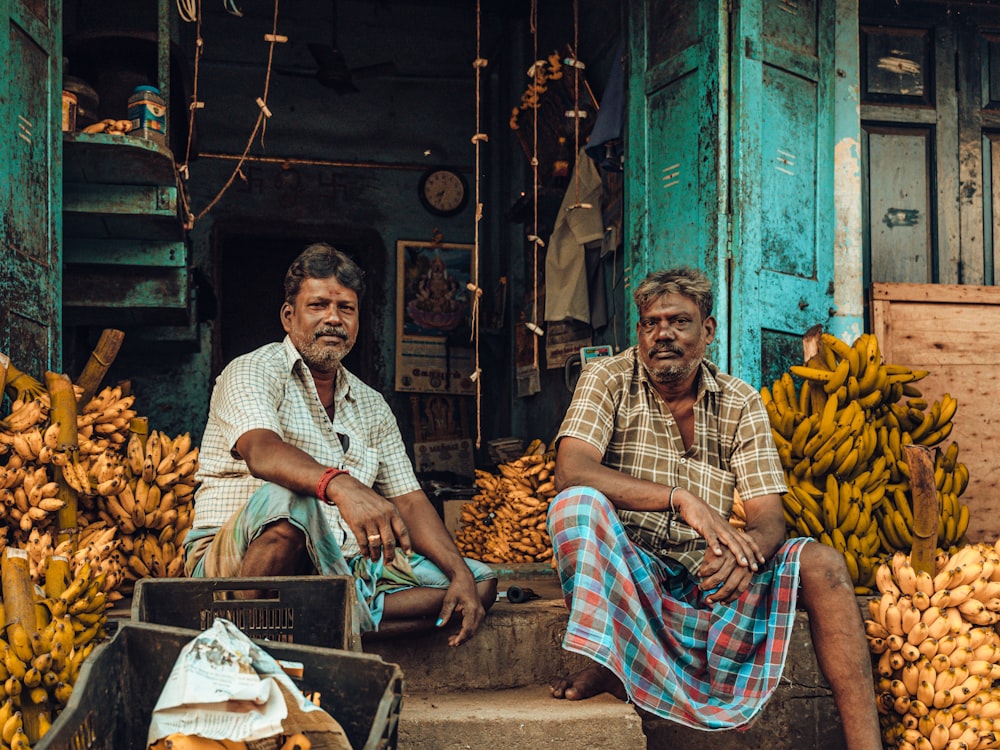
443	191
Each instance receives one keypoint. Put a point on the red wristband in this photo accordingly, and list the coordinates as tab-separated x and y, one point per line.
325	480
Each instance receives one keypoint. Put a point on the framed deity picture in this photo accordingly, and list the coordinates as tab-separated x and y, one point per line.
434	351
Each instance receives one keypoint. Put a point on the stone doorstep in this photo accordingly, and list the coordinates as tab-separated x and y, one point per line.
514	719
518	645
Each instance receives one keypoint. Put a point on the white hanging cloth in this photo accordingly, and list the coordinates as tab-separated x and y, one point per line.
579	223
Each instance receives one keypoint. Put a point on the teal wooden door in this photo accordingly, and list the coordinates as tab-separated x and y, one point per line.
30	179
782	182
674	163
730	165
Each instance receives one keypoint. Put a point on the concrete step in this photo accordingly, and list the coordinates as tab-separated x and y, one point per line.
514	719
492	692
518	645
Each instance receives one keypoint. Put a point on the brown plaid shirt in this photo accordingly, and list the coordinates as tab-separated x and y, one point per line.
616	409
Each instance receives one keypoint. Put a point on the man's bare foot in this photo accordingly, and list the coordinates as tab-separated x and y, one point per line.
587	683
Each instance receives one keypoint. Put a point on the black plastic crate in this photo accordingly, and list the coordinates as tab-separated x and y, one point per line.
312	610
121	681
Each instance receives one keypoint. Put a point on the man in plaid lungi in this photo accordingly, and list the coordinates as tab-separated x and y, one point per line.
684	614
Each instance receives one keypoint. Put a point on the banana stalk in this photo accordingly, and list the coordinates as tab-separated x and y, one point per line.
925	507
140	426
97	365
64	412
19	610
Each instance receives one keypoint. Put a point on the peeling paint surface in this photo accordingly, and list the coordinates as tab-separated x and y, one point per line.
848	257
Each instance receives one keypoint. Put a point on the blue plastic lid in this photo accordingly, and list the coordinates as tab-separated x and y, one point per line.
152	89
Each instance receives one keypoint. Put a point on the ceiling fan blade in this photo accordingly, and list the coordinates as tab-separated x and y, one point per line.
296	72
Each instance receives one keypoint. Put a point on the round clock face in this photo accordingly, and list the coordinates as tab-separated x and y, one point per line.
443	192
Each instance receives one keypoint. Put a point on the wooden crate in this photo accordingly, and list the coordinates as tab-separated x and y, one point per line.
953	331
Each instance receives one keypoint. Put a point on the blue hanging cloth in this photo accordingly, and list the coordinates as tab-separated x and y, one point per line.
606	145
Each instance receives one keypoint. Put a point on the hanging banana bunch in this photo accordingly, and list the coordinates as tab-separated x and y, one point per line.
840	436
505	521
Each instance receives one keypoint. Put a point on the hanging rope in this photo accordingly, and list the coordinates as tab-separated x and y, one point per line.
193	15
260	126
479	63
578	68
537	73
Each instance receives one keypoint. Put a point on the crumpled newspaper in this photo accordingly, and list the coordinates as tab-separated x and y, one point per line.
224	686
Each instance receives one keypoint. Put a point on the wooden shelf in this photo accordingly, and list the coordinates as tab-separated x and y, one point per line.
125	252
103	159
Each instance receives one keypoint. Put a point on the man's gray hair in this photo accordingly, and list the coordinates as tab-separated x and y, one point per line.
690	282
321	261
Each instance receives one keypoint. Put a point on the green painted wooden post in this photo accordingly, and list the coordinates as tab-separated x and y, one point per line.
30	176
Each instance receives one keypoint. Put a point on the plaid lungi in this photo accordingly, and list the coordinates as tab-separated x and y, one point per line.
707	667
218	552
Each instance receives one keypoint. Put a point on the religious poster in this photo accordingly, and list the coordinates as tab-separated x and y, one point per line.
442	441
434	352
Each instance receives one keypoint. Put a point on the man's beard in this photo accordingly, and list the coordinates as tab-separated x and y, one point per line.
677	370
319	356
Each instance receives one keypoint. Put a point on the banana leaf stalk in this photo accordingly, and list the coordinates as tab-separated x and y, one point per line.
64	411
19	385
101	359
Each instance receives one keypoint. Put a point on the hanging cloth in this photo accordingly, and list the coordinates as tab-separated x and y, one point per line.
606	144
566	283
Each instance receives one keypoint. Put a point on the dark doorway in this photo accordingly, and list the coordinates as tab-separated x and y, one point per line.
249	274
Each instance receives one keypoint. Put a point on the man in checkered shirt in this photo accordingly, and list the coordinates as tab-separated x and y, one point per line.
303	470
684	614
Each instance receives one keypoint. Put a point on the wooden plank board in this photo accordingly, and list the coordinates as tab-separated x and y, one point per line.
947	330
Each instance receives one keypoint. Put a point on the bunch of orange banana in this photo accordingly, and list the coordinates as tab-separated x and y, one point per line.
24	414
30	502
106	417
840	439
151	554
505	521
936	651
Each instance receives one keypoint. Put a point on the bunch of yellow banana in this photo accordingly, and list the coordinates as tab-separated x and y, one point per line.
505	521
39	547
40	667
84	602
935	650
895	516
840	439
98	548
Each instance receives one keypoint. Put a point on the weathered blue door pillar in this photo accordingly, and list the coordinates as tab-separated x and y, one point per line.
30	184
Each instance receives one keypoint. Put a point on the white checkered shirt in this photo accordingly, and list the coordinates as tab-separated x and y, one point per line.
271	389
